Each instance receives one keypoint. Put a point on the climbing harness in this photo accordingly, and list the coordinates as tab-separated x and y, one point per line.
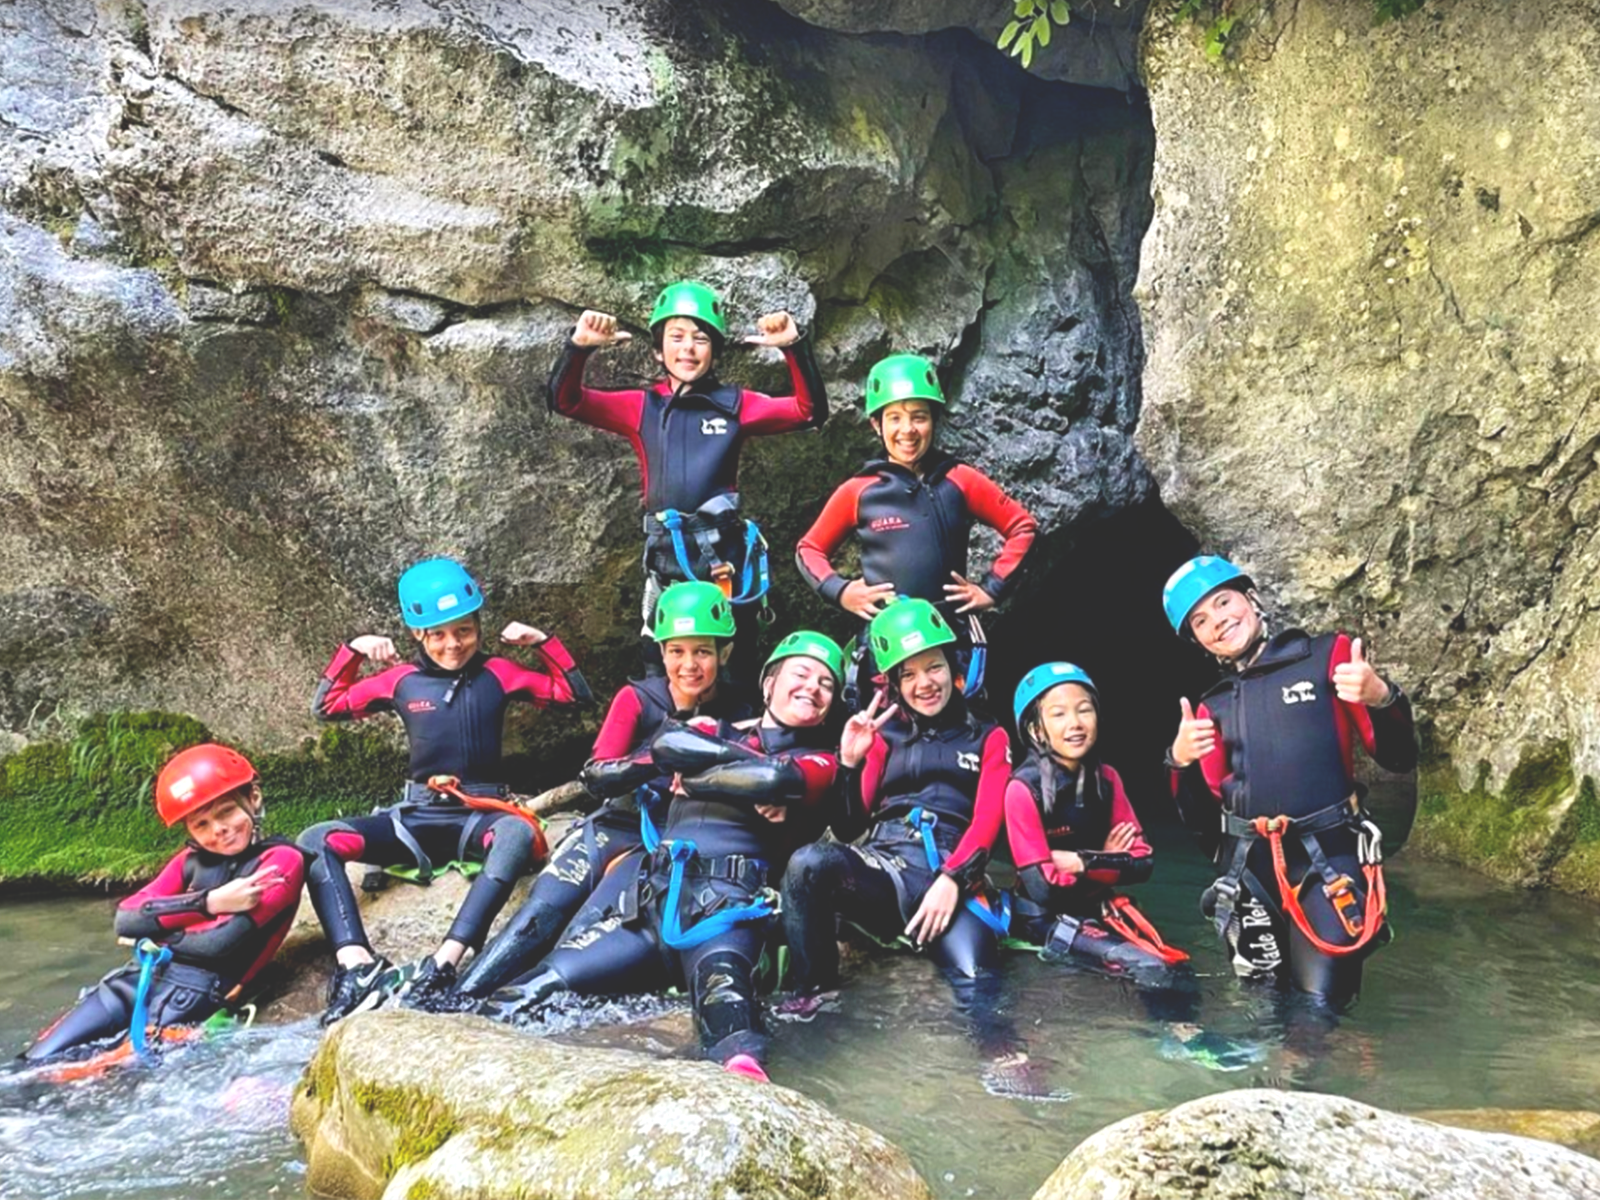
999	918
1360	922
703	525
765	905
1120	913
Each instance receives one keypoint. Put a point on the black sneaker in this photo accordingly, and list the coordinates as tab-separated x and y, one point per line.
431	987
355	989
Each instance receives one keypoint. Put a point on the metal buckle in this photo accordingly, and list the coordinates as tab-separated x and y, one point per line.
1369	844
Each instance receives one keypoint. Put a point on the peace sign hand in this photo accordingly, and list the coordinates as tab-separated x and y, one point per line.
597	329
861	729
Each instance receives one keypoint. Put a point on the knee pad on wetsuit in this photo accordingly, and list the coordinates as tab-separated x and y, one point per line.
510	849
319	842
726	1011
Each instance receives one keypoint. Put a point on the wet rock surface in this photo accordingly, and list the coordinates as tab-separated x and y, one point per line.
516	1115
1263	1143
280	286
1373	373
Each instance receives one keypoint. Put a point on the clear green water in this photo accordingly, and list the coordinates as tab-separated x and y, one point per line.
1489	997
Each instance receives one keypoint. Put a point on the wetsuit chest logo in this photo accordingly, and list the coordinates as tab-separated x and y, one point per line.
418	706
967	761
713	426
1299	693
883	524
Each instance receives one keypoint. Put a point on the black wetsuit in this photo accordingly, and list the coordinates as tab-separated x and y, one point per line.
688	441
619	766
453	722
212	954
737	854
1285	747
953	767
1078	917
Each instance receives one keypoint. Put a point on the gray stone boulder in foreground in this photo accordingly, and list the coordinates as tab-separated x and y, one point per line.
1263	1143
488	1112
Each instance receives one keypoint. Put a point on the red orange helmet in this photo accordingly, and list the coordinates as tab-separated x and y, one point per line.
197	776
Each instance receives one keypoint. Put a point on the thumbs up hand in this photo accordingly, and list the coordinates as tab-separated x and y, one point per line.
1355	682
1197	736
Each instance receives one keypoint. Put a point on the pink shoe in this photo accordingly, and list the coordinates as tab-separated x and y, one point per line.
743	1064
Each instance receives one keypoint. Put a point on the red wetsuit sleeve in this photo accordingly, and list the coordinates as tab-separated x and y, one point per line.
1129	866
619	733
814	555
820	769
222	938
1037	875
142	915
1387	733
1025	832
989	810
555	685
871	775
614	412
342	695
1015	524
760	414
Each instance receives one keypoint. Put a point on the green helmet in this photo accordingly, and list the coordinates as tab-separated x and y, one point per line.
813	645
690	299
693	610
905	629
902	377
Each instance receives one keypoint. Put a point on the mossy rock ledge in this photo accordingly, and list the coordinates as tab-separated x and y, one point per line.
488	1112
1265	1143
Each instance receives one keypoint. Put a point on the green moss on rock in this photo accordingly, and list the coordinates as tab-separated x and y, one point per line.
422	1123
80	812
1542	827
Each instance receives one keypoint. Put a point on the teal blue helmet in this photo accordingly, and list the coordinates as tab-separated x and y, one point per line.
1194	581
1044	677
436	592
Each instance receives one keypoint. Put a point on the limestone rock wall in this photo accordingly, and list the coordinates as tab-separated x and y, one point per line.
1369	296
280	285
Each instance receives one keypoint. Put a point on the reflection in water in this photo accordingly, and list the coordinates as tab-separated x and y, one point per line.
1488	997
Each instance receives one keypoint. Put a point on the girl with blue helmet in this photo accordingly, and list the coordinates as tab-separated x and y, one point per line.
1263	772
1074	835
452	699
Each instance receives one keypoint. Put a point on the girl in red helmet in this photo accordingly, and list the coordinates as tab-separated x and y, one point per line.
214	916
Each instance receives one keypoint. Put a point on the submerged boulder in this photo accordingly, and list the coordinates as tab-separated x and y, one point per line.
399	1105
1263	1143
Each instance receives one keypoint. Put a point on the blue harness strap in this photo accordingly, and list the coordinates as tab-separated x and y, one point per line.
923	822
756	578
150	958
679	938
976	663
646	797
